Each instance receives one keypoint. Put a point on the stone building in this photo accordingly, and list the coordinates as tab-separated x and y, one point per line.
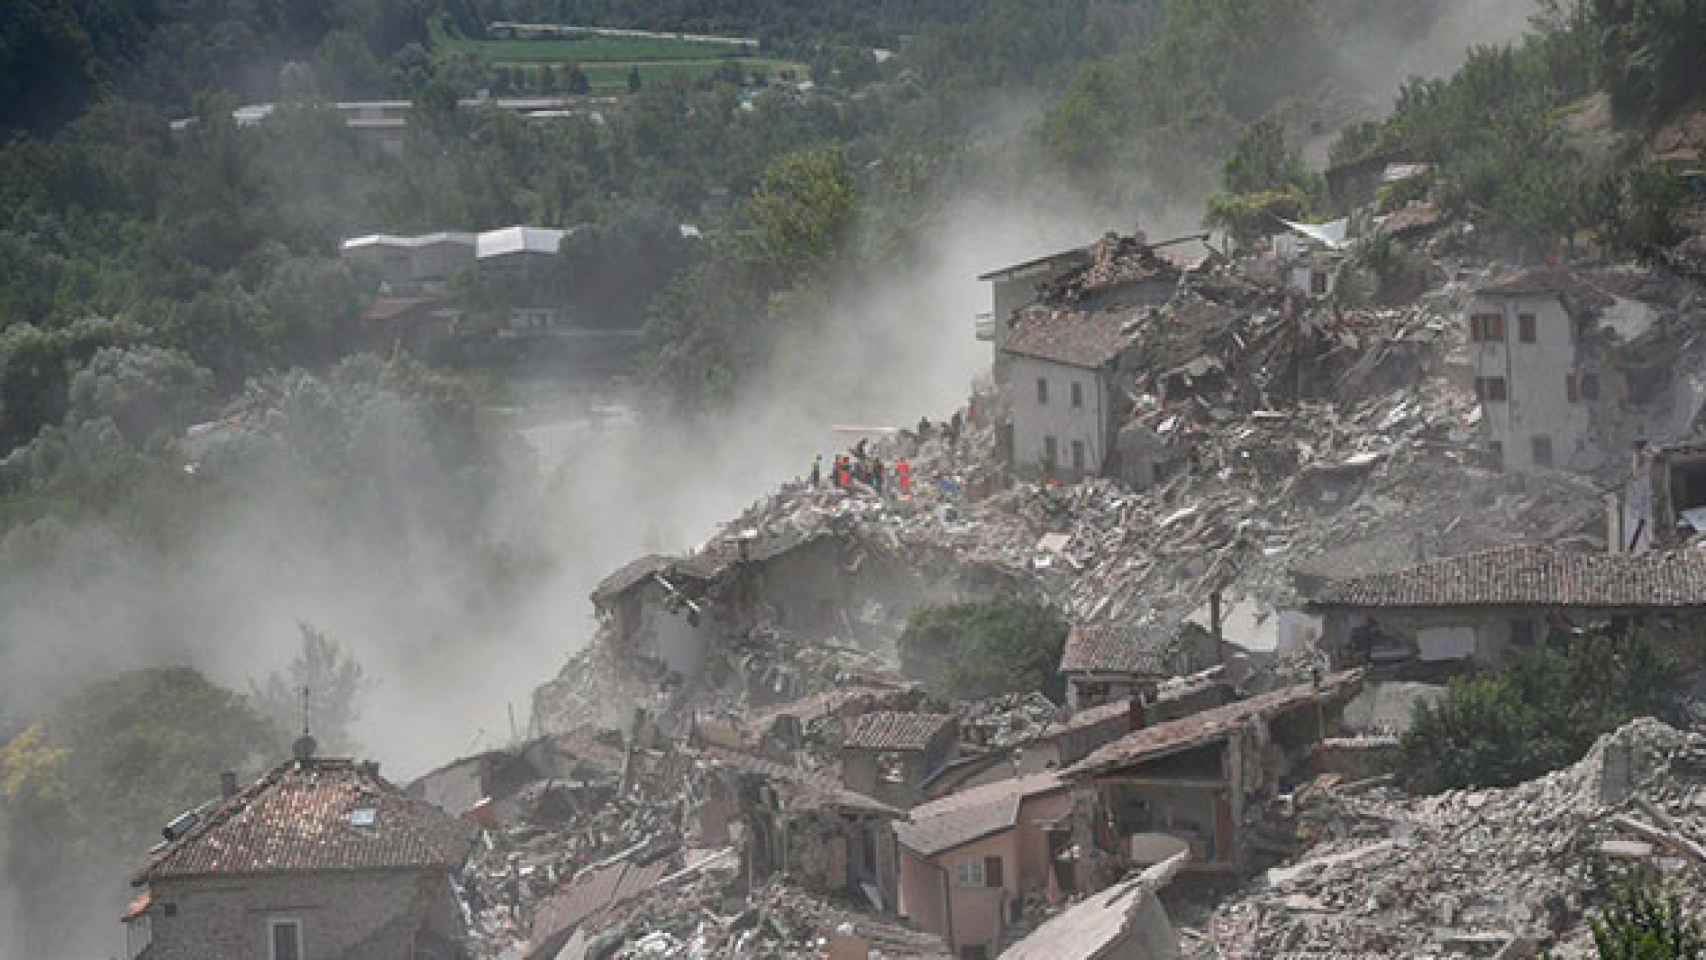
1188	781
1537	368
319	859
891	756
1103	663
1017	286
1478	609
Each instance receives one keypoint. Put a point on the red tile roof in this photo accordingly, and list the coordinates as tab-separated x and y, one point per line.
1533	576
959	818
885	730
298	818
1557	281
1104	648
1077	338
1206	727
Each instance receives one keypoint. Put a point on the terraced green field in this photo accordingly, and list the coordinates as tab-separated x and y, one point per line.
607	60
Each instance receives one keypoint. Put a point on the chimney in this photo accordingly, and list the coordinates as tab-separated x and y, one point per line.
228	784
1134	714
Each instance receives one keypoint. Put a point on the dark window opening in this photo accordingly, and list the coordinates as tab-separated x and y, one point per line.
992	871
1042	391
1487	327
1522	633
1570	393
1490	389
1318	282
1542	449
1687	486
1078	455
286	940
974	953
1525	327
1077	395
1051	451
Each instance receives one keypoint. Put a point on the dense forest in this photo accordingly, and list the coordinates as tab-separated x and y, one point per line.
155	276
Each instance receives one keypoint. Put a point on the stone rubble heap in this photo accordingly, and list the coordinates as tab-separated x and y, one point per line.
1466	872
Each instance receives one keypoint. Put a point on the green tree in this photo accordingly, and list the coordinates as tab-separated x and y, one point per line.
974	650
144	391
1641	924
1541	713
802	212
335	683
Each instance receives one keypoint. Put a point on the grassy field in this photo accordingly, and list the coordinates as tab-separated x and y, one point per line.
607	60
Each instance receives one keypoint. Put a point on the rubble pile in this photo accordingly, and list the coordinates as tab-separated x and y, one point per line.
1466	872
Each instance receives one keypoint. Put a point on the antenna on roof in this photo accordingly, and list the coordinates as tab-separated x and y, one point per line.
303	748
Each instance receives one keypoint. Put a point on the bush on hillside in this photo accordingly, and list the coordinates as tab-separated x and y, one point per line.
974	650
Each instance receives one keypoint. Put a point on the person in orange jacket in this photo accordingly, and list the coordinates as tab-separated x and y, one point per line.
843	475
903	475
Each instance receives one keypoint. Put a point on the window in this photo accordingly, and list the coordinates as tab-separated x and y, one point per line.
1570	393
969	873
1590	387
1525	327
1077	454
1051	451
1490	389
284	938
1542	450
1522	633
1497	450
1042	391
1318	282
992	871
1487	327
1077	395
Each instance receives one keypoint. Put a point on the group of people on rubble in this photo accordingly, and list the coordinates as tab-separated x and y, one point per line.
862	466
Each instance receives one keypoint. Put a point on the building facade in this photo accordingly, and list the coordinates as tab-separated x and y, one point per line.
319	859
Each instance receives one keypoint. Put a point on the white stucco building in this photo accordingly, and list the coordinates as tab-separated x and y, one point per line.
1014	287
1535	375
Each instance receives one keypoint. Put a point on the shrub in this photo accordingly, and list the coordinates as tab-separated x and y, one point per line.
974	650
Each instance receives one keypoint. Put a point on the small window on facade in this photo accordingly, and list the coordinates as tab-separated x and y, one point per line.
992	871
1590	387
1077	454
1522	633
1042	391
1051	451
1487	327
1077	395
1318	282
1525	327
1490	389
1570	393
969	873
1542	450
284	938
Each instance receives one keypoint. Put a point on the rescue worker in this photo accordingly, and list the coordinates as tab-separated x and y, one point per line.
903	476
843	473
877	474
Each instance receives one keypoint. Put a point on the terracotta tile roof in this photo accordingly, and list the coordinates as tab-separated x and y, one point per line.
1125	648
885	730
959	818
1532	576
1115	261
1077	338
298	818
1208	726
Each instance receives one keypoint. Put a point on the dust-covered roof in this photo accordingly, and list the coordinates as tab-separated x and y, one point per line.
888	730
959	818
1532	576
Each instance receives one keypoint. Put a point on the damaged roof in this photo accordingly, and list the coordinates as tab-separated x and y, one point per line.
629	574
1078	338
810	790
1074	255
1532	576
1575	289
1115	261
888	730
589	893
1199	729
298	817
1124	648
959	818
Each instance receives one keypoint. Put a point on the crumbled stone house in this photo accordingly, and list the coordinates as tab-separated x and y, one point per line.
1069	359
1103	663
1017	286
497	785
1538	371
969	860
891	756
1125	921
320	858
826	837
674	610
1187	782
1478	609
1662	504
587	897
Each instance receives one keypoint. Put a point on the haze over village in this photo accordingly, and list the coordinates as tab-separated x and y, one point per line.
764	480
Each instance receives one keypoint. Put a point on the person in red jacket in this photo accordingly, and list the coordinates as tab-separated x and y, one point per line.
843	474
903	475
